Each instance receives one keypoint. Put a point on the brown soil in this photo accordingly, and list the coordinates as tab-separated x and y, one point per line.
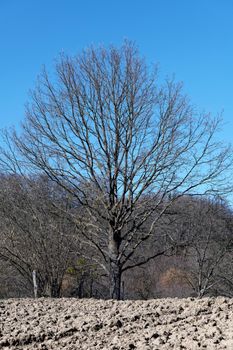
112	325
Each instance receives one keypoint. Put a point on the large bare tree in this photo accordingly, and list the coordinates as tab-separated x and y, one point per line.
124	145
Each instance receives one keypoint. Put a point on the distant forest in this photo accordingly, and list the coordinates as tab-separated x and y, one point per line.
39	231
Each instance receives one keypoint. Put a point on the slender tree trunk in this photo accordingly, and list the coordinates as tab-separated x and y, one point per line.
115	270
91	288
55	290
35	283
80	288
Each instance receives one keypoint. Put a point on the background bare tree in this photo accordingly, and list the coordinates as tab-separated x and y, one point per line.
35	234
202	230
210	242
123	145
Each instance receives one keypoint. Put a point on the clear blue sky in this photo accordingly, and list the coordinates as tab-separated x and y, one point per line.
192	39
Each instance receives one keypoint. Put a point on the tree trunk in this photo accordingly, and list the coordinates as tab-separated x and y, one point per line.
115	270
34	283
115	280
80	288
55	289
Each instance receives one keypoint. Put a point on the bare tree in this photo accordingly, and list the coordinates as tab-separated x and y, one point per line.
203	232
123	145
36	235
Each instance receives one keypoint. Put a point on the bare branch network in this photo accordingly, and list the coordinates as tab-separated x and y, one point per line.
123	145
